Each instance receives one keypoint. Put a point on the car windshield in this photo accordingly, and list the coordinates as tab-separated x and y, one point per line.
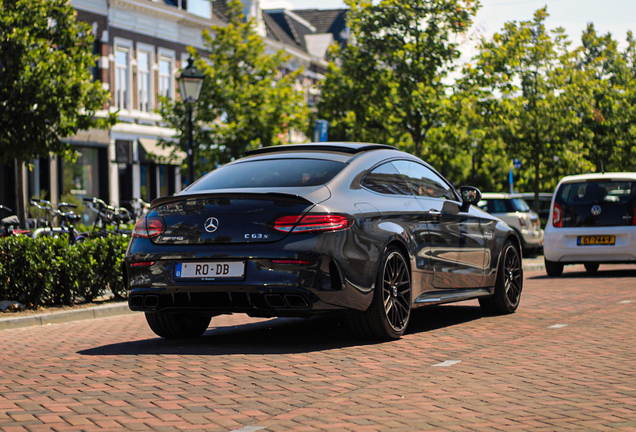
270	173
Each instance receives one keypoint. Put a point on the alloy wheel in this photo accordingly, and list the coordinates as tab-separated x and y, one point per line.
512	275
396	291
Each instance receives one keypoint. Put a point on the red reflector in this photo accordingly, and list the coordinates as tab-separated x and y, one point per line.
142	264
286	261
557	216
149	227
312	223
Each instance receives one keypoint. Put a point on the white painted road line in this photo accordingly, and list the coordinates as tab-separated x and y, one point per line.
558	326
626	301
447	363
248	429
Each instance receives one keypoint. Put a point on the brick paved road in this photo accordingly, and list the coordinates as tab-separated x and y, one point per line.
565	361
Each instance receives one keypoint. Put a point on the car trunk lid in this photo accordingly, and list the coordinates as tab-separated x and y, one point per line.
222	218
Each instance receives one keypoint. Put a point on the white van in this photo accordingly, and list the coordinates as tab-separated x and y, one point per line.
592	221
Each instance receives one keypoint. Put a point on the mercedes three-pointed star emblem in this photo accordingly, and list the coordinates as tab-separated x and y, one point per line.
211	224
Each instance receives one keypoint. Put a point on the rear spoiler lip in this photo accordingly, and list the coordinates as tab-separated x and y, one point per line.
278	196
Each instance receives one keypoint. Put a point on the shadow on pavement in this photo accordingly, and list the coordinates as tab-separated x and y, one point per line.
600	274
284	335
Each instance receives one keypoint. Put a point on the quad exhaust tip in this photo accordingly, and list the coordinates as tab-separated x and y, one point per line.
278	301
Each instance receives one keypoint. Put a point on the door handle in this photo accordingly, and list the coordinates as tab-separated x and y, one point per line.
433	214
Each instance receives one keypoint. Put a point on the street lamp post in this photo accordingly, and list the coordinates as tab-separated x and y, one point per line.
190	82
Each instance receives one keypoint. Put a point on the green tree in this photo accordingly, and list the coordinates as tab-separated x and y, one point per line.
613	117
388	84
531	96
46	87
245	102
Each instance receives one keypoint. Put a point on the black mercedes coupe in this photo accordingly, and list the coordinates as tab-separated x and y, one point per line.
298	230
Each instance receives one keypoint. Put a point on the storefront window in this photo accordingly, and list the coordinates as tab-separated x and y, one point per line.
163	180
81	178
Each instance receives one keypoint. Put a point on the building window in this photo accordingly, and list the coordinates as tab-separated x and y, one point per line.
121	78
143	80
165	77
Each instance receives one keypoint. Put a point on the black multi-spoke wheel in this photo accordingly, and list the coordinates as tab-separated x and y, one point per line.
389	313
509	283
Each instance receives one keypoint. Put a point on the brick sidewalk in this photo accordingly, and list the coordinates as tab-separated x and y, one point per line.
565	361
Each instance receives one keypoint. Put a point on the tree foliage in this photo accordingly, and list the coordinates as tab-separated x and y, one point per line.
388	84
612	120
528	93
46	87
246	101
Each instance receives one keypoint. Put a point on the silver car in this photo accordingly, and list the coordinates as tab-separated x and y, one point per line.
513	210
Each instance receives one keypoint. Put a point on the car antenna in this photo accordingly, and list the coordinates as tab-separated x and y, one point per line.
602	169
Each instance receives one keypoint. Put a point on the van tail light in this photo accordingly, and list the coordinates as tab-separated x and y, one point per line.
557	216
634	217
312	223
149	227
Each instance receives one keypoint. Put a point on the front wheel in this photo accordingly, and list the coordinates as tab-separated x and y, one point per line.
177	325
509	283
390	310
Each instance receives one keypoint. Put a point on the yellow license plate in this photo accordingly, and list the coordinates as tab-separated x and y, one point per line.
596	240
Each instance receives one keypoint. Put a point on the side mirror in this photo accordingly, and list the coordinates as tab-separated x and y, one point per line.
470	196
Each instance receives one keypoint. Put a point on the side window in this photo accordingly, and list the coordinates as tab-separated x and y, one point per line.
499	206
386	180
424	182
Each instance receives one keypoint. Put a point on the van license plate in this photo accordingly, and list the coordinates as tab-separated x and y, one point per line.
596	240
198	270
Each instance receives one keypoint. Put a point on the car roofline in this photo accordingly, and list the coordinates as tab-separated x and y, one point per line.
336	147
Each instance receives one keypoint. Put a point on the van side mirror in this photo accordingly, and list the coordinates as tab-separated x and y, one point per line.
470	196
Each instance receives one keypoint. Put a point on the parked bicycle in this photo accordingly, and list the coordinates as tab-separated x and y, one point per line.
67	219
9	225
139	207
110	220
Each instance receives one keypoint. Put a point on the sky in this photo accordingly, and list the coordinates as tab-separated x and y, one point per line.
613	16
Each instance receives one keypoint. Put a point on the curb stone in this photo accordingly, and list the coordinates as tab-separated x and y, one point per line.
66	316
123	309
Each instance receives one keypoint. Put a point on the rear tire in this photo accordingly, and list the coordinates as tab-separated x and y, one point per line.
591	267
553	269
509	283
390	310
177	325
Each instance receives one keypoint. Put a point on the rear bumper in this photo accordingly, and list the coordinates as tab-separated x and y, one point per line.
561	245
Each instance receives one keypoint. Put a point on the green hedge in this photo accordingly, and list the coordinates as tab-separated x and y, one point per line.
45	270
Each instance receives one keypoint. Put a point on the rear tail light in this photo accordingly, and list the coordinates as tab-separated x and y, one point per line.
312	223
142	264
557	216
634	217
149	227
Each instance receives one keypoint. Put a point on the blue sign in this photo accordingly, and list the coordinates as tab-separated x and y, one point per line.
320	130
516	163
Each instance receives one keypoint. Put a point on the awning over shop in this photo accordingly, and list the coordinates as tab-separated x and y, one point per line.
151	151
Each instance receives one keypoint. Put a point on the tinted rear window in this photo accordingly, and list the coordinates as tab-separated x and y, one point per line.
495	205
597	203
270	173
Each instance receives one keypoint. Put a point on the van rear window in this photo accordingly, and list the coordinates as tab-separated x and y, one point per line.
597	192
597	203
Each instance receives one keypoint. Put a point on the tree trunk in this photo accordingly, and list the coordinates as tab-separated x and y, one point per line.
19	199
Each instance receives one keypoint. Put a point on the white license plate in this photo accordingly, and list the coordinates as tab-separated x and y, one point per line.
229	269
